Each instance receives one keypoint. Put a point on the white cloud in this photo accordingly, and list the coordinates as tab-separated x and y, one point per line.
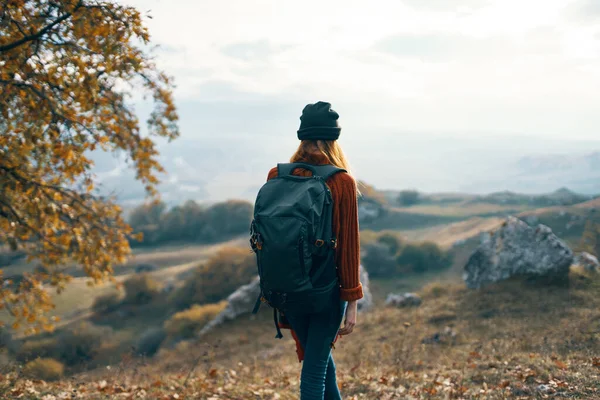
514	65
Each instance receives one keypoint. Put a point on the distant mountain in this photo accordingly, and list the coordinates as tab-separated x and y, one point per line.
207	170
545	173
560	163
215	167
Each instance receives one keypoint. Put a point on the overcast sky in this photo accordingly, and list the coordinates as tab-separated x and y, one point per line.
461	66
438	95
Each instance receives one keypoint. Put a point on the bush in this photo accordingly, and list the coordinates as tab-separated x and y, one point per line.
107	302
408	198
36	348
190	222
227	219
6	340
392	241
47	369
213	281
141	289
379	260
424	257
81	342
150	341
186	323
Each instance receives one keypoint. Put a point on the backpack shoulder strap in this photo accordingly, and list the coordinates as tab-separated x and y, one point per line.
327	171
286	168
324	171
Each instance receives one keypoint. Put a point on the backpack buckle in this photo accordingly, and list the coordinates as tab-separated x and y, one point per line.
258	241
319	242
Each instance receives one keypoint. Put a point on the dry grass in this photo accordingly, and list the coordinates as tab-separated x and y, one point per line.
47	369
141	289
76	301
185	324
511	340
214	280
465	209
446	235
107	302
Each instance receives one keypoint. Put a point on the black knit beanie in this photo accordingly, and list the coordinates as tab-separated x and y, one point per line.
319	122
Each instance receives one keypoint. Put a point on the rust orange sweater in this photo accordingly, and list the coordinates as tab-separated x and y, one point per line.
345	225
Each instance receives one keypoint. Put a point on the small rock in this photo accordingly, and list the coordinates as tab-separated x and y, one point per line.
520	390
588	261
447	336
545	389
403	300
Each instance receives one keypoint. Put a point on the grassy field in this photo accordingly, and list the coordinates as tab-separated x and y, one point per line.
448	234
465	209
511	340
172	262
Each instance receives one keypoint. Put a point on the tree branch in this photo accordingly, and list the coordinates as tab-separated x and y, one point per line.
36	35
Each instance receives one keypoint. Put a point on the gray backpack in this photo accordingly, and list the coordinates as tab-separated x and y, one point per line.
292	236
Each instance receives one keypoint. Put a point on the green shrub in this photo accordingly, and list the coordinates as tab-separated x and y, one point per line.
6	340
141	289
424	257
392	241
36	348
81	342
191	222
150	341
107	302
185	324
47	369
408	198
227	219
216	279
379	260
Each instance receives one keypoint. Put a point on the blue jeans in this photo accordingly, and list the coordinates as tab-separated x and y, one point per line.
316	333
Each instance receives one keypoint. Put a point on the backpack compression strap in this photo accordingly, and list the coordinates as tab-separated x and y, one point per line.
324	171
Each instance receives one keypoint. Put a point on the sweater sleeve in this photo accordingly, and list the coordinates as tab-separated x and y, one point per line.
348	251
272	173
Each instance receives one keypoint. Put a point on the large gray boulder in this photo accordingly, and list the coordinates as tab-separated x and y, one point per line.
242	301
518	249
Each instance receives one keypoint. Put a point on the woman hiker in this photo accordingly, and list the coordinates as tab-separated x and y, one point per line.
316	329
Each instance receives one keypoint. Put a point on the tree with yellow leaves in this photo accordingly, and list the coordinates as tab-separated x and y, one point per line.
67	69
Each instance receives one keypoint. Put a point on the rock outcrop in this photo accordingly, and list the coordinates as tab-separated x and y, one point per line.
242	302
518	249
366	302
403	300
239	303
